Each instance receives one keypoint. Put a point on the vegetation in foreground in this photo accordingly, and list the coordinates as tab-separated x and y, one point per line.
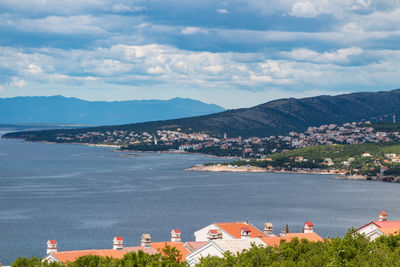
351	250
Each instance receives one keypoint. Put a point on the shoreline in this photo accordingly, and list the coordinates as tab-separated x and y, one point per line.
230	168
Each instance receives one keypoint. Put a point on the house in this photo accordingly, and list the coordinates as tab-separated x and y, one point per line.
375	229
118	251
218	247
227	231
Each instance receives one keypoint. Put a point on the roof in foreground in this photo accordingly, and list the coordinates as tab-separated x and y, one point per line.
178	245
150	251
274	241
70	256
194	245
237	245
234	229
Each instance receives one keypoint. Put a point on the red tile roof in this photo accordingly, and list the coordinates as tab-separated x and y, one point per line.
150	251
178	245
70	256
192	246
119	238
309	224
53	242
387	224
214	231
234	229
176	231
276	240
246	229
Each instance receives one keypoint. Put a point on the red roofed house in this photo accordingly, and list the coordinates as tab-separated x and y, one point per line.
375	229
228	231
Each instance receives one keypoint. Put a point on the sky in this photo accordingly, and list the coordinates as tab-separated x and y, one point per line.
237	53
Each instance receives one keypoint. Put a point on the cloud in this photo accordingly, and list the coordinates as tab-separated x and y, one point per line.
17	82
340	56
304	9
222	11
193	30
122	8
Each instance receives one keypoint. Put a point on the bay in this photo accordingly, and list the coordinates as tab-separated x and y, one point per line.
83	196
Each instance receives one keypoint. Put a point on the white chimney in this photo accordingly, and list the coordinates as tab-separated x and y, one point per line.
268	228
383	216
214	234
146	240
176	235
118	243
308	227
51	246
245	232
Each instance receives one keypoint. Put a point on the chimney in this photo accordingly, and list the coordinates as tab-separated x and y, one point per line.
51	246
287	229
268	228
176	235
383	216
118	243
308	227
245	232
146	240
214	234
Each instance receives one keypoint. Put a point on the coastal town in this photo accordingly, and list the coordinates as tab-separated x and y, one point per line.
216	240
251	147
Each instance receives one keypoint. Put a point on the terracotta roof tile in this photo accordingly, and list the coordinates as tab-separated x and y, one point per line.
70	256
234	229
276	240
53	242
178	245
150	251
192	246
387	224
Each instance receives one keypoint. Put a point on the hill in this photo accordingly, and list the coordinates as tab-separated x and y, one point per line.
63	110
277	117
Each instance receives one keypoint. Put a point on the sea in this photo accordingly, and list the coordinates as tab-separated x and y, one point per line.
83	196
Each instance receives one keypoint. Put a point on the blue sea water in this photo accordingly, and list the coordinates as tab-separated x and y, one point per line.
84	196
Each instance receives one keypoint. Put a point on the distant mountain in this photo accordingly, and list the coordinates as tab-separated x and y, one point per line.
59	109
272	118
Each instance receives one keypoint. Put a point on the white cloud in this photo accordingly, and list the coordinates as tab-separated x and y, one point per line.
222	11
304	9
17	82
121	8
340	56
193	30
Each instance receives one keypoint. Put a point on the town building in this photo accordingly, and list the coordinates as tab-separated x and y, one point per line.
227	231
375	229
219	247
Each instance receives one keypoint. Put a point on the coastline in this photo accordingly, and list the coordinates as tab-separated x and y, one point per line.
248	168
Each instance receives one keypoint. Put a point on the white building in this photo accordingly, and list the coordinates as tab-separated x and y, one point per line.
228	231
375	229
219	247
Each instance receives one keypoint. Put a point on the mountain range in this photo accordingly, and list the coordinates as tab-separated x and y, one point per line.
276	117
63	110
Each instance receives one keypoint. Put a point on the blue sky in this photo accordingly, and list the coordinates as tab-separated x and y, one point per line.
235	53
